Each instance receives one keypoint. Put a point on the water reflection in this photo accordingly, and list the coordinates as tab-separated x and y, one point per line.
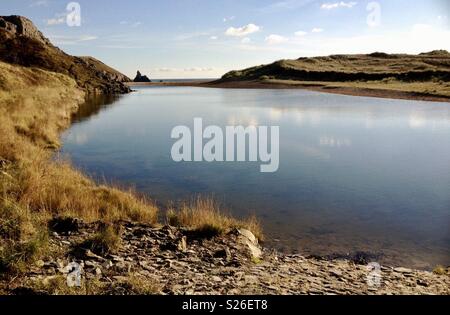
356	174
93	105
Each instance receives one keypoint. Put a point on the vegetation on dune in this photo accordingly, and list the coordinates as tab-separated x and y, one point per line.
375	66
427	73
432	88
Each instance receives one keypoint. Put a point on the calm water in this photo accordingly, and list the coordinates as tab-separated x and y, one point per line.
356	174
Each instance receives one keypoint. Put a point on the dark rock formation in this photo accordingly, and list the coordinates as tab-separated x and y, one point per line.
21	26
112	74
23	44
141	78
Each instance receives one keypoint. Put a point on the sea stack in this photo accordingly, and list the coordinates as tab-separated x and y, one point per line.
141	78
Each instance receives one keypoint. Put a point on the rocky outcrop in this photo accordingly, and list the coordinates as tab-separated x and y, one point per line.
177	261
112	74
23	44
17	25
141	78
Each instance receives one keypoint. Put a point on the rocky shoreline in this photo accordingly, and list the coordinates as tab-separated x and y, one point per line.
169	260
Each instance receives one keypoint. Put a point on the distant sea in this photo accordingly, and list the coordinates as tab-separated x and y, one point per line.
184	80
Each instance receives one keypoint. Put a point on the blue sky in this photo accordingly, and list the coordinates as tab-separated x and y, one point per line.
206	38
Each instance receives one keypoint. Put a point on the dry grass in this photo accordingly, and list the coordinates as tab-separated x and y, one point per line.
373	63
106	241
130	285
57	285
35	106
440	270
365	64
426	74
435	88
134	284
205	217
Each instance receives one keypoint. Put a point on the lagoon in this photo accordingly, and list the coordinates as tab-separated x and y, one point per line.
355	174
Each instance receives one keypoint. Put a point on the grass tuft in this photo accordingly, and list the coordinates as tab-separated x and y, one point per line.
440	270
15	256
106	241
205	217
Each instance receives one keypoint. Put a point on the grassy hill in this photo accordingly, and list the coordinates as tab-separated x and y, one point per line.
35	106
377	74
376	66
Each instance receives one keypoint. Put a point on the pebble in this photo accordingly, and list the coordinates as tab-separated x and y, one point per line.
223	266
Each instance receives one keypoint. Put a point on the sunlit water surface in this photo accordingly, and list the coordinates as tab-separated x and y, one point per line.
356	174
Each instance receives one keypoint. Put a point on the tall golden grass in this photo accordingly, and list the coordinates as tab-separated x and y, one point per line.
205	216
35	106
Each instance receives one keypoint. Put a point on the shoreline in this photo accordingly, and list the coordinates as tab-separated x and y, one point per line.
310	86
54	215
167	260
89	224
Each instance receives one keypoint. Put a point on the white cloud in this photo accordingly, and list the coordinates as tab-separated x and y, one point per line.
213	38
246	40
87	38
192	69
121	46
301	33
275	39
333	142
193	35
72	40
226	19
165	69
242	31
56	21
285	5
417	39
59	18
317	30
39	3
342	4
132	24
199	69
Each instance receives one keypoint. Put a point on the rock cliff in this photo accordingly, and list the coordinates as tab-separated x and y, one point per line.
23	44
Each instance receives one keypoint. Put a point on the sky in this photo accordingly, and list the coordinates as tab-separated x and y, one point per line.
207	38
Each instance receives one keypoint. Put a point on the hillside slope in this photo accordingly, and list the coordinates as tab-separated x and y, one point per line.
339	68
23	44
115	75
